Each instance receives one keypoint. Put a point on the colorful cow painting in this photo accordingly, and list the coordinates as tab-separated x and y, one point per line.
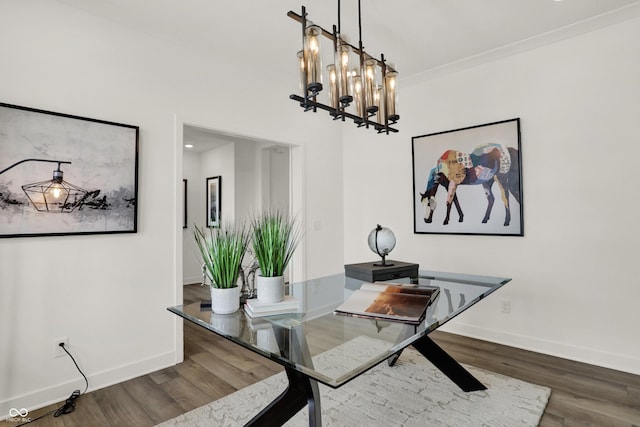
487	164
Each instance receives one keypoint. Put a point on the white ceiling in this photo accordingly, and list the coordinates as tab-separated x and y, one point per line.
416	35
202	139
206	139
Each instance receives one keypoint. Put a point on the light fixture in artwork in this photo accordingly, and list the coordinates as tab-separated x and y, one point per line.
359	87
54	195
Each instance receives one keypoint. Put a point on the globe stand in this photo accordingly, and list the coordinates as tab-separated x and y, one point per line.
383	263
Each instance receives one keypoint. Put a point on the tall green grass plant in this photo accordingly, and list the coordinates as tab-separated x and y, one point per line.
274	238
222	250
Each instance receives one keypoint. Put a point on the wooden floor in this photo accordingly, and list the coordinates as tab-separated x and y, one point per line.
582	395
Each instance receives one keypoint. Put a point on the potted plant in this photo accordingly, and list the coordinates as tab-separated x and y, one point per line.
274	238
222	250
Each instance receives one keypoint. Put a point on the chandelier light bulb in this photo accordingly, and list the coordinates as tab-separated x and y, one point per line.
391	96
333	88
370	85
379	102
302	72
343	72
313	59
357	92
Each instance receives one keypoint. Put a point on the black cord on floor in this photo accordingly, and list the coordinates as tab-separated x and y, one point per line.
69	404
86	381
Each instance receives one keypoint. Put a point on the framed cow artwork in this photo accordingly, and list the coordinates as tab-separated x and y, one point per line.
469	181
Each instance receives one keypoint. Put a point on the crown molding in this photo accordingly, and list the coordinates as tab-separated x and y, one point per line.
612	17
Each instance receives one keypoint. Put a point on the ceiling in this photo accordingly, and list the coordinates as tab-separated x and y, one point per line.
202	140
418	36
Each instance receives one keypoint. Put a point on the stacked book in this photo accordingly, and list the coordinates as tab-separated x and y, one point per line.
256	308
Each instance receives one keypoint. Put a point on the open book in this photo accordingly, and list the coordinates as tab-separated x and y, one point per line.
399	302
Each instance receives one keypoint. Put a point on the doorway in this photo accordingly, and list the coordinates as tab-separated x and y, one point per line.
254	175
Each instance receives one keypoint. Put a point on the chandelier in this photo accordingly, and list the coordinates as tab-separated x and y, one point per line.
360	87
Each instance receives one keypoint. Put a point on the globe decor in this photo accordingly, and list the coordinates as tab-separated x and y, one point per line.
382	241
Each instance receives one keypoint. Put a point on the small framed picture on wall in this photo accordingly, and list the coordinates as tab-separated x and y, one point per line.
214	201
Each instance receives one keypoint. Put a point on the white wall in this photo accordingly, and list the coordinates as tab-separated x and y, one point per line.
247	180
575	288
109	293
191	271
279	179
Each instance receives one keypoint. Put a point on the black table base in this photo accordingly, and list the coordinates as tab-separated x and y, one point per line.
303	391
300	392
445	363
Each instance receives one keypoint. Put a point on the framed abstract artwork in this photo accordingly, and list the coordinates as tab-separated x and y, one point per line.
475	170
62	174
214	200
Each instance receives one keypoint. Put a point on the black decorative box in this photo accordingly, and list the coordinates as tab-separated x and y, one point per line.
370	272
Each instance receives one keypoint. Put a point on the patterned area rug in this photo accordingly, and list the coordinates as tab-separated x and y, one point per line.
412	393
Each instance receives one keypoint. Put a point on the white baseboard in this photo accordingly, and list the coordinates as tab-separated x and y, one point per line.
591	356
60	392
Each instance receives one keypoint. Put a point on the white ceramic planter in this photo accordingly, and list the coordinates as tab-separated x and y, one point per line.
226	300
228	324
270	289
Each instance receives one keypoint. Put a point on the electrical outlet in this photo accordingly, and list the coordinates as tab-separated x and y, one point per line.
505	307
57	350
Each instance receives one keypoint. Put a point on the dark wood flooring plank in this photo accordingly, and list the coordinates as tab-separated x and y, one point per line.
577	407
154	401
87	413
164	375
551	420
185	393
204	380
120	408
232	375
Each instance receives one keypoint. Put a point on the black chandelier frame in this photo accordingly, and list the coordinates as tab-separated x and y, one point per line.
309	101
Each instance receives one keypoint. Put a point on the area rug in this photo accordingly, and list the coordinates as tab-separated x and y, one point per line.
411	393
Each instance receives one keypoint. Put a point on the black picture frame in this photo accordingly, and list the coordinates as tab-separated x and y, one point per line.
452	168
184	203
214	201
99	157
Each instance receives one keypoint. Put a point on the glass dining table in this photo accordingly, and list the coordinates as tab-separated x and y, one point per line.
316	345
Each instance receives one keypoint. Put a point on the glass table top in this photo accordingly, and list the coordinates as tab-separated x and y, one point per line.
333	348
